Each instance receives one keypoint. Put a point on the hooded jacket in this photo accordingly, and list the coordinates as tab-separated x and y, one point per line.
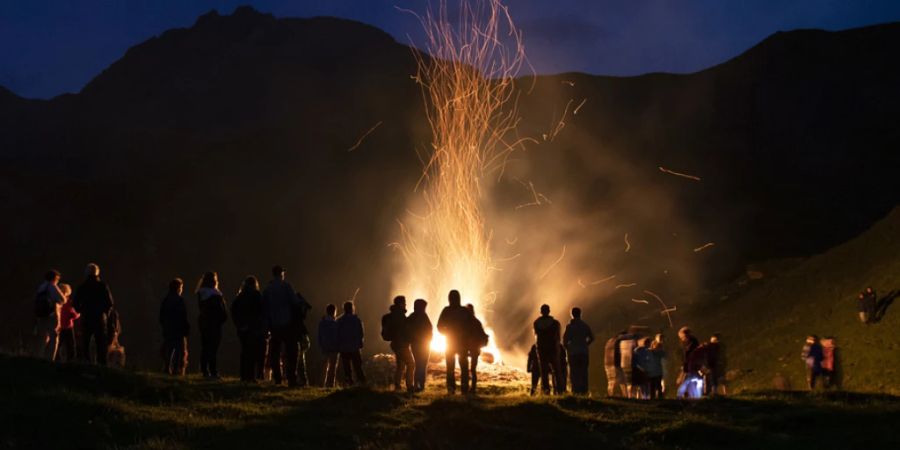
213	312
247	312
419	328
279	301
454	324
393	326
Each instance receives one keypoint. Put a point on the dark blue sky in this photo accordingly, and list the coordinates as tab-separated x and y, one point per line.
48	47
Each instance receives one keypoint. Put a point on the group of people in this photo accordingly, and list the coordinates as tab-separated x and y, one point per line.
636	365
556	356
67	322
867	306
819	356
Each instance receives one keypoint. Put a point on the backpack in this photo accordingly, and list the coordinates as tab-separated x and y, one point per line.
388	333
42	307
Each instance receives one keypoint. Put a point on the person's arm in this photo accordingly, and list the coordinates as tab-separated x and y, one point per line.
107	299
362	333
590	335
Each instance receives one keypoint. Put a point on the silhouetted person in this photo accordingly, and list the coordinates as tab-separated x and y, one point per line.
869	305
298	322
548	336
533	366
420	330
812	356
393	330
280	302
627	343
829	362
477	339
645	367
213	314
689	343
47	302
577	338
715	361
612	360
94	302
351	337
247	315
66	328
455	324
175	328
697	365
659	349
328	345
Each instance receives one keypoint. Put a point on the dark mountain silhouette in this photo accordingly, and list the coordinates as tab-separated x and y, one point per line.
225	146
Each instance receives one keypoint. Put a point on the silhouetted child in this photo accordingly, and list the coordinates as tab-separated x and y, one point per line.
66	327
534	368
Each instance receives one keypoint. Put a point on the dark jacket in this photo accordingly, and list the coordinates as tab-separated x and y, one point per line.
173	317
393	326
687	347
93	301
477	337
869	302
698	360
246	313
813	355
578	337
454	323
547	332
213	312
298	315
533	365
350	333
279	304
419	329
712	355
328	334
648	361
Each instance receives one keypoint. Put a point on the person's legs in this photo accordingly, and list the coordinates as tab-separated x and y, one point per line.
87	333
578	371
101	344
275	346
421	355
463	372
610	380
398	365
168	356
329	369
346	362
67	343
409	366
450	359
357	367
291	354
535	378
302	379
473	369
545	374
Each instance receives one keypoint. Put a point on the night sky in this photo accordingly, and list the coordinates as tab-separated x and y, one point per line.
48	47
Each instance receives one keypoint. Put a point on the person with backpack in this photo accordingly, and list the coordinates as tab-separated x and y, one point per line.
615	377
420	331
47	302
393	330
577	338
173	320
213	314
812	356
94	302
247	315
280	305
328	345
66	328
548	338
455	323
351	337
477	339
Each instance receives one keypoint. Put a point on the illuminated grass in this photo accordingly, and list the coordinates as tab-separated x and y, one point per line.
96	408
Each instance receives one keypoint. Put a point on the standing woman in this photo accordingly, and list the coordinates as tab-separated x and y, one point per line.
213	314
246	312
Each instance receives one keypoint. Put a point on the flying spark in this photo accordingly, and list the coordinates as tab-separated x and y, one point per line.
363	137
678	174
704	247
558	260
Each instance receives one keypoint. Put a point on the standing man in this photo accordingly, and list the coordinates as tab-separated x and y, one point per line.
393	330
47	303
547	334
328	344
454	323
351	336
279	303
94	302
420	330
577	338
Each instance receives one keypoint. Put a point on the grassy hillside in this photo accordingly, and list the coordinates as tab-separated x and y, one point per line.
765	321
74	406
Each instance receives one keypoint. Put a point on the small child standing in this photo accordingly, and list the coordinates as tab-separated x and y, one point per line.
534	367
66	325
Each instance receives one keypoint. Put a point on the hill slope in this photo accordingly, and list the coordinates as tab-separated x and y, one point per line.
816	296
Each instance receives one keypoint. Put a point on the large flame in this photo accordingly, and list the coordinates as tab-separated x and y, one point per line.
468	87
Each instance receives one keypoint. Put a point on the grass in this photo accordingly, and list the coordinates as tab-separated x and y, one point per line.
76	406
